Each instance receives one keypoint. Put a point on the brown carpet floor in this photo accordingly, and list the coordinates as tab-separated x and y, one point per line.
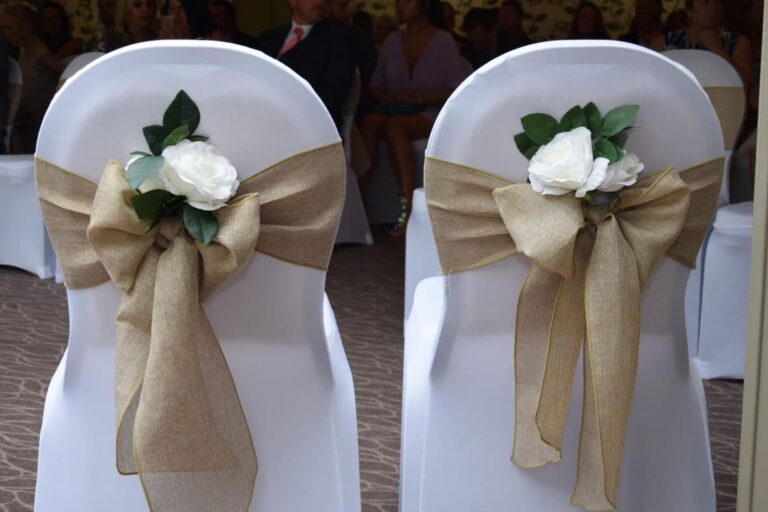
365	285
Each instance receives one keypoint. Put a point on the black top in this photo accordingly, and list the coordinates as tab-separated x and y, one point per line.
325	59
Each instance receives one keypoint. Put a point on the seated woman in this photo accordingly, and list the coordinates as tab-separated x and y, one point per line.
185	19
588	23
136	23
54	30
704	32
39	71
418	69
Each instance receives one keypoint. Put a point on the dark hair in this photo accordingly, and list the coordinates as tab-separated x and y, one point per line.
54	43
228	7
363	21
485	18
517	6
599	33
434	11
198	17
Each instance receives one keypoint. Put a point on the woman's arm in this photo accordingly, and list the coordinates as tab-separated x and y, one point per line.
71	47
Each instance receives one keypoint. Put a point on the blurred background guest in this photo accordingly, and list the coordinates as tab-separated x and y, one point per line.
705	32
510	26
107	14
449	20
676	20
136	22
419	67
385	25
224	19
588	23
318	49
481	42
185	19
646	24
55	31
39	69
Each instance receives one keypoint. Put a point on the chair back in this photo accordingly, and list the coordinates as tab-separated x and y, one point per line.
470	391
269	317
726	91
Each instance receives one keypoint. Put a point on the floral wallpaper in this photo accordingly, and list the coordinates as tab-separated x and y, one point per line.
544	19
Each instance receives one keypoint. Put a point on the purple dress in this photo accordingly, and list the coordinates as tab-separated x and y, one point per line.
439	67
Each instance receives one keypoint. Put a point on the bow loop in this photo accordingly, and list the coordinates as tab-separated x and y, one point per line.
544	228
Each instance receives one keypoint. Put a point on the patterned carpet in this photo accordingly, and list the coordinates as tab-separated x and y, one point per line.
365	285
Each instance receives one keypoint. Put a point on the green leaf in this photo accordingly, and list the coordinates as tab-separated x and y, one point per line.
176	136
594	119
526	146
201	224
606	149
620	139
151	205
182	110
618	119
574	118
198	138
155	135
140	153
540	128
143	168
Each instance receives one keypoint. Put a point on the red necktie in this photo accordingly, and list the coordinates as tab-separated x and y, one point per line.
293	41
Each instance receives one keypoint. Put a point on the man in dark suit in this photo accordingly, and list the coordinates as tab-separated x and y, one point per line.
319	50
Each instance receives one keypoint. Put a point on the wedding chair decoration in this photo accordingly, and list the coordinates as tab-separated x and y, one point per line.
25	242
726	92
534	273
353	227
222	384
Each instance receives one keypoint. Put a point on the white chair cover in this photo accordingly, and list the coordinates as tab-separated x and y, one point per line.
353	227
76	64
459	388
711	71
25	242
725	294
275	327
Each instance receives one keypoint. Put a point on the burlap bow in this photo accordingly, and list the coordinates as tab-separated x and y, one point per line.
590	264
180	425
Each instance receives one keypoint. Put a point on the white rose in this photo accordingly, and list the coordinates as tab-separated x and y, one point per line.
622	173
197	171
565	165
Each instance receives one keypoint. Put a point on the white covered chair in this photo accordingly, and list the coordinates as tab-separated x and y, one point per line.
26	243
725	294
76	64
459	380
273	322
353	227
726	91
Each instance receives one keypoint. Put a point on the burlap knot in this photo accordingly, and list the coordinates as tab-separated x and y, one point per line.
180	425
590	264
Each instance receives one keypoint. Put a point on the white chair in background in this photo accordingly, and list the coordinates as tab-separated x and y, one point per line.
25	242
273	322
717	332
725	294
353	227
459	386
76	64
